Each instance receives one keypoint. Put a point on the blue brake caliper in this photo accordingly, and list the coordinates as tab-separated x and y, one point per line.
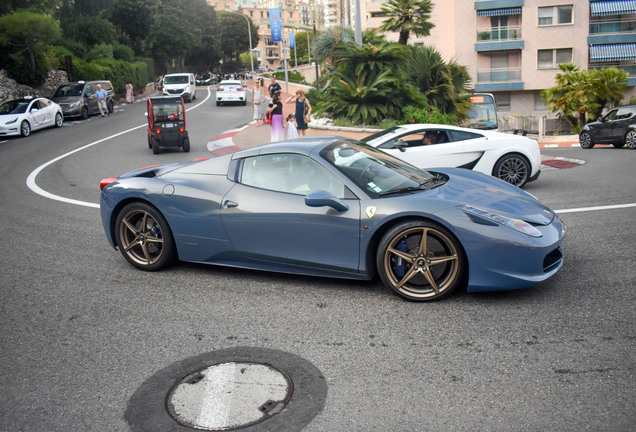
397	262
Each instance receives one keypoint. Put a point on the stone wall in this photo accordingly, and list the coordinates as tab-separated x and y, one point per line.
10	89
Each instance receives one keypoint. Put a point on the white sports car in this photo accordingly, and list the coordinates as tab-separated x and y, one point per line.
513	158
21	116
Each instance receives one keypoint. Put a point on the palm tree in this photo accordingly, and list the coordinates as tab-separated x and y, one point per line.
406	17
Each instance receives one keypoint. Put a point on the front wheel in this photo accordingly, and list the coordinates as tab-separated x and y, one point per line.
58	120
630	140
513	168
585	140
85	112
110	106
144	237
420	261
25	129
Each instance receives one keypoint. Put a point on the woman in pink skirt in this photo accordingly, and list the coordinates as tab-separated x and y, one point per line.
129	93
276	111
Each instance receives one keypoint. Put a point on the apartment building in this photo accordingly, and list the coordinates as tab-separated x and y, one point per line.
513	48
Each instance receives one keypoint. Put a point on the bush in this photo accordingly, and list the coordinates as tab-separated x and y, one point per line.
412	114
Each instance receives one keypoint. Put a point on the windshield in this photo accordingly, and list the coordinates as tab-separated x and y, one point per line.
373	170
176	79
167	112
14	107
371	138
69	90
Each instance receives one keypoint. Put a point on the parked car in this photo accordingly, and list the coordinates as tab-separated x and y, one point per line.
332	206
617	127
230	91
512	158
78	99
180	84
21	116
206	79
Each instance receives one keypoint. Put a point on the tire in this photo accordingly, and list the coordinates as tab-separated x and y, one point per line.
186	145
513	168
59	120
144	237
218	104
25	129
149	141
155	147
420	270
630	140
585	140
85	112
110	106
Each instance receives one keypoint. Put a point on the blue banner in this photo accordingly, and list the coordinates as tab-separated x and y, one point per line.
274	23
292	41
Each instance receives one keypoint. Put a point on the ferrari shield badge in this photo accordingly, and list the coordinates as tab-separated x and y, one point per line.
371	211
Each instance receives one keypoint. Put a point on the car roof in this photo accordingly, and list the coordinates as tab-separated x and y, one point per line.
303	145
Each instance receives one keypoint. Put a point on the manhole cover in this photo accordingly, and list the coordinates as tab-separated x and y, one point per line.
229	396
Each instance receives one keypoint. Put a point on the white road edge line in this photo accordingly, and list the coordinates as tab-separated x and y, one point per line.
31	183
595	208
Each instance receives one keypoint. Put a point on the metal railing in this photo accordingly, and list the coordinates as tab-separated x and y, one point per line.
612	27
499	34
499	75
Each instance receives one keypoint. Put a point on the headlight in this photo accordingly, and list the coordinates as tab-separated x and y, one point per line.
12	121
74	104
516	224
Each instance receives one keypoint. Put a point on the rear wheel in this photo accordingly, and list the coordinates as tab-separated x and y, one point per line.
186	145
513	168
58	120
155	147
630	140
420	261
585	140
25	128
144	237
149	141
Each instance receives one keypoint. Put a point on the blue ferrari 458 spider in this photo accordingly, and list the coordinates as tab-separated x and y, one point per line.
332	206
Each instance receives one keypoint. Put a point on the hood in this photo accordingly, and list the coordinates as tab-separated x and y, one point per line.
489	193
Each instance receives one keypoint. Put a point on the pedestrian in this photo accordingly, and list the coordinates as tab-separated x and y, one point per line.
276	111
258	103
292	131
101	94
273	87
303	110
129	93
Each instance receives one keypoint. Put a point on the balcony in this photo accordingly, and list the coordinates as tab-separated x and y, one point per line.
612	31
499	34
500	79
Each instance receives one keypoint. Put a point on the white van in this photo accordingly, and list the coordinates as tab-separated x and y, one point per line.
180	84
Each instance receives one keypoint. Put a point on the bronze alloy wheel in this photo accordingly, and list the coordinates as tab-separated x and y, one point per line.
420	261
513	169
144	238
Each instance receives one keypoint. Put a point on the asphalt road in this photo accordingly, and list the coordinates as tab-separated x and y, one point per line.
82	330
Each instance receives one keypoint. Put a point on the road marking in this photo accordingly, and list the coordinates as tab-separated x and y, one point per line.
31	179
596	208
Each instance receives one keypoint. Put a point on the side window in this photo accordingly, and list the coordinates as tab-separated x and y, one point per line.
89	90
611	115
289	173
624	113
411	140
463	135
43	103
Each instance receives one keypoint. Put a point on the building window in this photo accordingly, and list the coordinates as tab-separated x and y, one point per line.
539	102
503	101
555	15
251	13
552	58
378	14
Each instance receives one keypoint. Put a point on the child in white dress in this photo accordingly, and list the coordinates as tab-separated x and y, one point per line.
292	127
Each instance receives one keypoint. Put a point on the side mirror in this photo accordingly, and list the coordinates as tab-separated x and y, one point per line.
401	146
321	198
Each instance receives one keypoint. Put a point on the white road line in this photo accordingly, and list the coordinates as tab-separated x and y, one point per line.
31	183
596	208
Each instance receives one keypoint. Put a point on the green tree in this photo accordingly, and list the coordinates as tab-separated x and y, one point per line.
582	93
406	17
48	7
134	19
23	37
325	44
443	84
234	35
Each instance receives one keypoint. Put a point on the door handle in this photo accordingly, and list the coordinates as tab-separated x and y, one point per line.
230	204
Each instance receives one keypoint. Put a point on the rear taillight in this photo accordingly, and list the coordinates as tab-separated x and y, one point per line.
219	89
105	182
240	89
158	131
181	129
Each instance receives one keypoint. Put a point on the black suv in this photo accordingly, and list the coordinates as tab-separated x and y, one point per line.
78	99
617	127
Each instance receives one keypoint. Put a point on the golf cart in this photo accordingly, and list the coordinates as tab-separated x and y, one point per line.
166	124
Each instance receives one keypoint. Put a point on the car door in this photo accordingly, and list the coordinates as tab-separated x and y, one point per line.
38	115
606	132
444	151
621	124
90	99
267	220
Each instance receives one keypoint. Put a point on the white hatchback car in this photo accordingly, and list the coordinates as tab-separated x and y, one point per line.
230	91
512	158
21	116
